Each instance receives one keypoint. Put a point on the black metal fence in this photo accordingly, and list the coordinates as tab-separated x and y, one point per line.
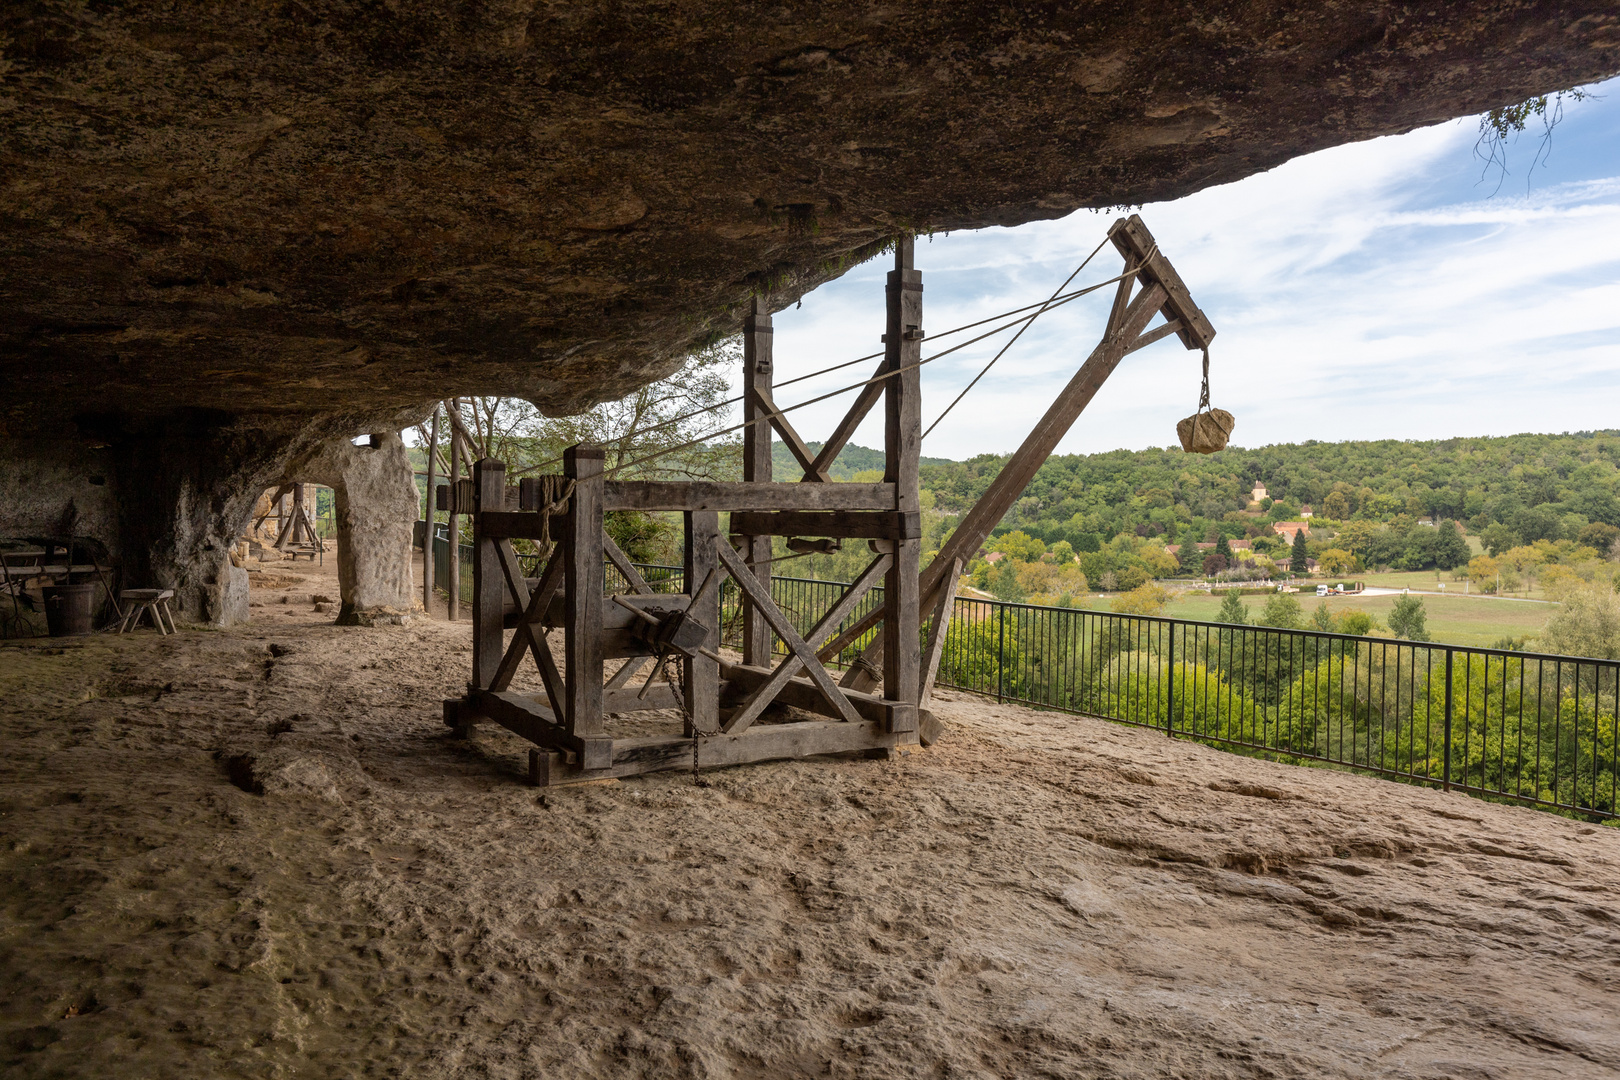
1537	728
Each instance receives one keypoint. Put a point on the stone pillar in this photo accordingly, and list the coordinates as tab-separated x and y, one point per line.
376	505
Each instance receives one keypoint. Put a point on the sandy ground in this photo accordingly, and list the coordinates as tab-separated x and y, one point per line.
1037	895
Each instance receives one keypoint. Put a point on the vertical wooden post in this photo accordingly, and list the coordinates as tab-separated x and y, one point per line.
432	497
756	469
902	444
453	587
298	526
701	674
489	584
585	581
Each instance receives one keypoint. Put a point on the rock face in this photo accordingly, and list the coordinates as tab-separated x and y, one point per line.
234	230
376	504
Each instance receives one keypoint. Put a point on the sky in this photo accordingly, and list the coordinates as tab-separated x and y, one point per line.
1393	288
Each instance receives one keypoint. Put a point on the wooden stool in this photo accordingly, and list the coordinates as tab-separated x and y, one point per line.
154	601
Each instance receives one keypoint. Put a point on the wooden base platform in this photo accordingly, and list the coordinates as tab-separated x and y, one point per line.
561	758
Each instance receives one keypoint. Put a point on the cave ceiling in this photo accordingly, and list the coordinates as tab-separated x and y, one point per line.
305	207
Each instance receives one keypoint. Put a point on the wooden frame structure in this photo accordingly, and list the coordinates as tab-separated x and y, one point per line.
875	707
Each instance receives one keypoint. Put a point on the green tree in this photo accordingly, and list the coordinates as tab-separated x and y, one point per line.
1004	582
1408	619
1019	545
1449	548
1232	610
1223	548
1587	623
1298	561
1322	619
1498	538
1282	611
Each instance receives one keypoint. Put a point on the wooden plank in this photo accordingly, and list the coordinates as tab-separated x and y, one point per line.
938	628
784	630
840	524
635	757
583	582
700	675
766	692
1131	237
902	443
706	495
512	524
758	372
489	588
868	397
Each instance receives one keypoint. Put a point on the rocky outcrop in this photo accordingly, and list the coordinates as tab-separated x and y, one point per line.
376	505
235	230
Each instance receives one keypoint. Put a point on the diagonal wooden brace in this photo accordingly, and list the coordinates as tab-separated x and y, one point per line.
869	395
531	635
938	629
766	692
795	445
750	586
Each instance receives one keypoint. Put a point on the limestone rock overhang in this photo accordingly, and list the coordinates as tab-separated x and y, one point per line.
313	207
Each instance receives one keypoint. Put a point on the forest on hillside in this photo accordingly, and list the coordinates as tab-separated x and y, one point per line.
1534	501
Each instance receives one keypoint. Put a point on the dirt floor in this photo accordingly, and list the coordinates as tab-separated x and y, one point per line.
1037	895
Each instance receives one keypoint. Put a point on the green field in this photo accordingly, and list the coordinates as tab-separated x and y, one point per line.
1453	620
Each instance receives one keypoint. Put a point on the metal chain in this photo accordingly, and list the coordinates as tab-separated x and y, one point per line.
1203	397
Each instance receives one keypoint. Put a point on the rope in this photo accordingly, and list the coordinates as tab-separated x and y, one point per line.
1003	350
1044	305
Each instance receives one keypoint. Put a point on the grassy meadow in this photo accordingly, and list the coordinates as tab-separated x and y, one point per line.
1453	620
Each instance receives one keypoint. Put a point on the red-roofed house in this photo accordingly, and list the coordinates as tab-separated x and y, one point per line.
1287	529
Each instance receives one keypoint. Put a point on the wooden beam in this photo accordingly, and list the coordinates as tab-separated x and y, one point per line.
784	630
699	674
840	524
583	582
621	562
938	627
529	719
868	397
1158	333
705	495
758	373
801	693
635	757
766	692
1131	237
531	634
902	443
489	589
766	406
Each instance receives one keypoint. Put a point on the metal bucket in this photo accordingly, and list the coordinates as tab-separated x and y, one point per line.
70	609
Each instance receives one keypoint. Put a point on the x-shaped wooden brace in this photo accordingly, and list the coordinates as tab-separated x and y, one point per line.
800	654
531	634
790	437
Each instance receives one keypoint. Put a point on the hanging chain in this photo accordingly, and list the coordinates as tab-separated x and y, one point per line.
1203	397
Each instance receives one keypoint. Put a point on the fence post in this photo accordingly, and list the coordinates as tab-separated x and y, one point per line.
1170	693
1001	651
1445	781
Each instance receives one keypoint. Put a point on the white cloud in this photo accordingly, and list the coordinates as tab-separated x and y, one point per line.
1362	292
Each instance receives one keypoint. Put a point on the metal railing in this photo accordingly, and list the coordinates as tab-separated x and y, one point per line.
1530	727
